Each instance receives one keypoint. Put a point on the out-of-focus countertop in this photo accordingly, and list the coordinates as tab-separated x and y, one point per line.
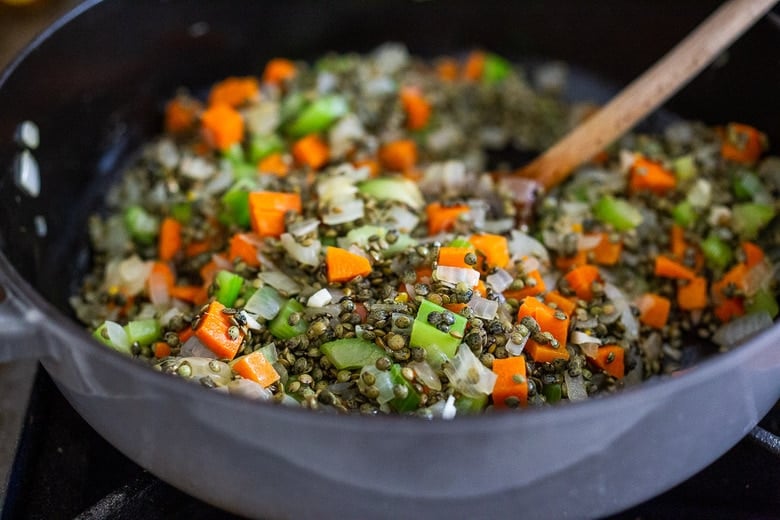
19	24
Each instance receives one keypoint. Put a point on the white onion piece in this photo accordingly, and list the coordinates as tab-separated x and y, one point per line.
128	275
741	328
384	383
482	307
575	387
590	349
252	322
760	276
219	371
622	307
303	227
249	389
531	264
700	194
320	298
343	212
220	182
468	374
332	189
196	168
222	262
193	347
307	255
449	411
587	242
168	315
158	289
498	226
516	348
167	154
580	338
264	303
425	374
499	280
402	219
118	336
280	281
522	244
344	134
453	275
262	117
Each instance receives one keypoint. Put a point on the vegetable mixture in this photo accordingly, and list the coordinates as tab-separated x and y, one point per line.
333	236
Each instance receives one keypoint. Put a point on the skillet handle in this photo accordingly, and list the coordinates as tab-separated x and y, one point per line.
22	325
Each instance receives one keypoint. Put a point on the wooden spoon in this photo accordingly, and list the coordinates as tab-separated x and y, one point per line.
646	92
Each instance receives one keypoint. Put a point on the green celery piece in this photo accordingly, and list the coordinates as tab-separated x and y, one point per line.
425	335
291	105
763	300
459	242
552	392
182	211
244	171
352	353
409	403
717	253
467	405
261	146
234	154
280	327
228	287
750	217
685	167
684	214
496	69
617	212
328	241
142	225
318	116
235	204
101	335
402	243
144	332
394	188
360	237
746	185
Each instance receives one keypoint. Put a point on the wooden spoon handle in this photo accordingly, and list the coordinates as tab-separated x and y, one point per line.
647	92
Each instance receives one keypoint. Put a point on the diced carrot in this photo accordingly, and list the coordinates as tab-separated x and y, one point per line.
454	256
222	126
311	151
455	307
161	349
372	164
398	156
185	334
646	175
234	91
511	382
549	321
742	143
169	241
611	359
564	263
197	247
416	107
423	274
181	114
195	294
343	266
693	294
274	164
279	70
668	268
481	288
474	66
562	303
532	289
754	255
161	272
267	210
734	281
214	331
256	367
244	247
447	69
492	250
606	251
580	280
653	310
545	353
680	248
729	308
210	270
443	218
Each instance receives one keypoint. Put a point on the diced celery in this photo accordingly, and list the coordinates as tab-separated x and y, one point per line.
101	334
351	353
459	242
235	207
182	211
746	185
466	405
552	392
411	401
763	300
318	116
496	68
394	188
749	218
141	225
144	332
424	334
684	214
261	146
684	167
280	326
291	105
228	287
243	170
402	242
360	236
234	153
717	253
617	212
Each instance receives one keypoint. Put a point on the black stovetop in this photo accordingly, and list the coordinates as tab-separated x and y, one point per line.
64	469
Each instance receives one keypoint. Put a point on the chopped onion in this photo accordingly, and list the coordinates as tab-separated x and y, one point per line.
303	227
194	348
307	255
158	289
222	262
575	387
590	349
449	410
384	383
700	194
262	117
516	348
587	242
760	276
344	134
218	371
523	191
499	280
320	298
128	275
196	168
426	375
168	315
741	328
498	226
403	219
468	375
249	389
333	189
522	244
343	212
220	182
622	307
453	275
580	338
482	307
264	303
117	335
252	322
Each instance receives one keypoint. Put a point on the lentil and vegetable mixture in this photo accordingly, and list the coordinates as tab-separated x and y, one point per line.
329	236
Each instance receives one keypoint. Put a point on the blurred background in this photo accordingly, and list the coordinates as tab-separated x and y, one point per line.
21	20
